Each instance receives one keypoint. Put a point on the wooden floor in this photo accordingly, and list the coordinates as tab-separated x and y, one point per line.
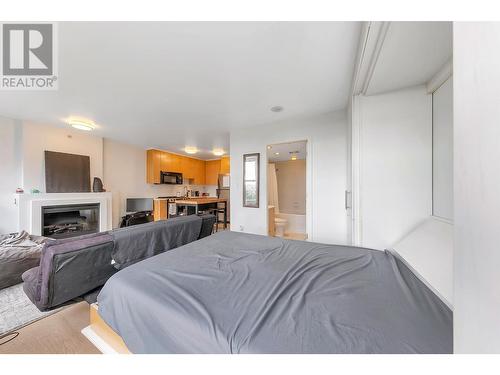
56	334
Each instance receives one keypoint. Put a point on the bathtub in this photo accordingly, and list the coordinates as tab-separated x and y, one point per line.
296	223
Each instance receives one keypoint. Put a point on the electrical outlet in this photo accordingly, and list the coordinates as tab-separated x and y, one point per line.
242	228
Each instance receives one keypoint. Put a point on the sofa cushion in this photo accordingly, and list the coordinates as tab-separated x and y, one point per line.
31	286
139	242
69	269
18	252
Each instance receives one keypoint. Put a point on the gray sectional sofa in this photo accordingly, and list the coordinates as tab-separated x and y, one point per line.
73	267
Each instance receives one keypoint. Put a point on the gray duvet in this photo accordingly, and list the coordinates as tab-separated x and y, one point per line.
240	293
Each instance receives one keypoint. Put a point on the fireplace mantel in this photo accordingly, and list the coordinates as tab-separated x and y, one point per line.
30	208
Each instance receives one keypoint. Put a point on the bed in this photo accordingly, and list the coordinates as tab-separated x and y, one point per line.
241	293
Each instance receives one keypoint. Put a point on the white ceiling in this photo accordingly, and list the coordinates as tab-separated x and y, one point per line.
412	53
171	84
284	149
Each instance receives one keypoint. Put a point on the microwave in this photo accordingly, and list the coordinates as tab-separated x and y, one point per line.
171	178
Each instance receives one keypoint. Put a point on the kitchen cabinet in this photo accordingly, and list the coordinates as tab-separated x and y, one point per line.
153	166
212	170
187	169
225	165
200	175
171	162
160	209
194	171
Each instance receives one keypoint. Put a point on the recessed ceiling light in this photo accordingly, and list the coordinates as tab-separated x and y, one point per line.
218	151
82	125
190	150
269	147
276	153
294	158
277	108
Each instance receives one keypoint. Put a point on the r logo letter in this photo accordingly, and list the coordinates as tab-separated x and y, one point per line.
27	49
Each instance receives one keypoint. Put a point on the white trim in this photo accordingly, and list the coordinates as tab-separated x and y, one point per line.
440	77
443	219
97	341
356	124
30	208
359	70
372	39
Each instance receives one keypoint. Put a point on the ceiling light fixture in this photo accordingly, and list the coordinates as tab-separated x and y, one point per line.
218	152
190	150
82	125
276	153
269	147
294	158
277	108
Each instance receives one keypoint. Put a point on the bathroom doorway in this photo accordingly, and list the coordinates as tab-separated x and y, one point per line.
287	190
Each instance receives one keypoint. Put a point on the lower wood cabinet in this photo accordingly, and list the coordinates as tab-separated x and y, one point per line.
160	209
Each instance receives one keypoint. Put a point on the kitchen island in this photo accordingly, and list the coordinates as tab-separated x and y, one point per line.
203	204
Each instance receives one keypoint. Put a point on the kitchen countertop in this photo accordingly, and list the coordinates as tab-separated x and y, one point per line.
182	198
200	200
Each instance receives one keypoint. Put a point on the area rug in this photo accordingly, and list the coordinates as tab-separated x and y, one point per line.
16	310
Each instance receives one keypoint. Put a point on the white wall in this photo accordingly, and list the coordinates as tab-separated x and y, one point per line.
125	177
442	151
326	174
39	138
477	187
395	164
10	172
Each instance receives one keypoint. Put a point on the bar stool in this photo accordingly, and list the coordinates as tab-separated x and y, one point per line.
215	212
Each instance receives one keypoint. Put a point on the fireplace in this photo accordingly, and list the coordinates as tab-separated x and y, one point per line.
70	220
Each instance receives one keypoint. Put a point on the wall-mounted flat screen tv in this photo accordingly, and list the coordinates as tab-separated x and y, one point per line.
66	173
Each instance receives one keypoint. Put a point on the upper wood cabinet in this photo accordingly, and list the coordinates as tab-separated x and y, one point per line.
187	169
200	177
225	165
153	166
193	170
170	162
212	170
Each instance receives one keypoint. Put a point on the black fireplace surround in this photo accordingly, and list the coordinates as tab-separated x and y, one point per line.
70	220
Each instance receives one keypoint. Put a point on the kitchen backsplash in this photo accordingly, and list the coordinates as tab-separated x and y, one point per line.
172	190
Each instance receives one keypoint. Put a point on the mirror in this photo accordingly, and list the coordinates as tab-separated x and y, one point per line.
251	180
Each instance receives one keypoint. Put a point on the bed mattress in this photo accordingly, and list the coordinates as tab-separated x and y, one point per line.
241	293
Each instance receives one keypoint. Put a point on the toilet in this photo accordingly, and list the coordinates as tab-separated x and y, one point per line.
280	225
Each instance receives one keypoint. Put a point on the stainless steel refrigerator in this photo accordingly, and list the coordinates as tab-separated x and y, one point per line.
223	190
